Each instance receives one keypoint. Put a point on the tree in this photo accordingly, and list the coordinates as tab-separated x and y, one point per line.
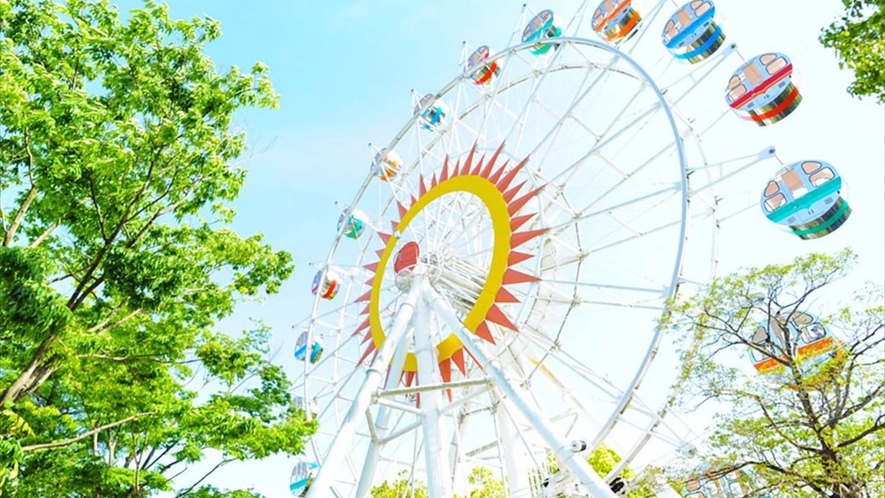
814	429
117	262
860	46
404	487
484	483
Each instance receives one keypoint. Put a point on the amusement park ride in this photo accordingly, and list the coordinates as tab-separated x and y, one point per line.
557	191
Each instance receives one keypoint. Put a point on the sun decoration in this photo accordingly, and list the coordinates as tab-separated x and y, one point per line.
492	186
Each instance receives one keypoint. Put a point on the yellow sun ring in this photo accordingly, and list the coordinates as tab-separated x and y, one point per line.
497	207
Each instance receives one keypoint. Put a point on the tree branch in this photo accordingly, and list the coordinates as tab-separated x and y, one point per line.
107	325
878	425
66	442
29	198
191	488
43	236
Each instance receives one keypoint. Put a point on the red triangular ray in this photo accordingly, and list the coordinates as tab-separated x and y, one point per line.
414	199
365	297
433	181
402	209
475	362
484	332
366	337
491	164
445	371
458	359
512	276
498	172
363	326
369	349
494	157
519	203
466	168
504	296
371	281
469	161
516	258
518	239
393	225
479	165
445	170
365	310
410	378
519	221
372	267
379	252
417	400
510	194
384	236
495	315
422	188
505	182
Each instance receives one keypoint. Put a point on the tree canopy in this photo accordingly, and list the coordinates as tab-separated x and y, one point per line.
810	428
117	260
484	482
860	45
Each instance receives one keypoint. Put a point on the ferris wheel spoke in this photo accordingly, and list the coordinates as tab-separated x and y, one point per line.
537	83
639	234
568	113
583	215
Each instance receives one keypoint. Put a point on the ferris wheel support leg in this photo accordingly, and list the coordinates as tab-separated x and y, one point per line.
581	469
331	464
381	429
439	483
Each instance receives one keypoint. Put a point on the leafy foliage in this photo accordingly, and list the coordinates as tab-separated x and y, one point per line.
404	487
807	431
117	263
860	45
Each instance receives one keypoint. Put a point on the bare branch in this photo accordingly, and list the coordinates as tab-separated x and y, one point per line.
106	324
878	425
29	198
194	485
66	442
43	236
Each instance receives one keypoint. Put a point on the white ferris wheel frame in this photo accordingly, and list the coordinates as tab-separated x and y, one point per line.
422	299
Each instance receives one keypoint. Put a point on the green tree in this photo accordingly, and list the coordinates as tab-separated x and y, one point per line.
117	262
603	460
812	430
860	45
484	484
403	487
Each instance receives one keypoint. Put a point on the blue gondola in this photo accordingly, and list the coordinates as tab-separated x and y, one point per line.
541	28
356	224
807	197
691	34
314	349
302	477
762	90
433	114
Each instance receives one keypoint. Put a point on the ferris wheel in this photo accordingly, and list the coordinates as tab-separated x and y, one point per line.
493	292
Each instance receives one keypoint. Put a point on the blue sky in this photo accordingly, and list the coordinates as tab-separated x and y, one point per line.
345	70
